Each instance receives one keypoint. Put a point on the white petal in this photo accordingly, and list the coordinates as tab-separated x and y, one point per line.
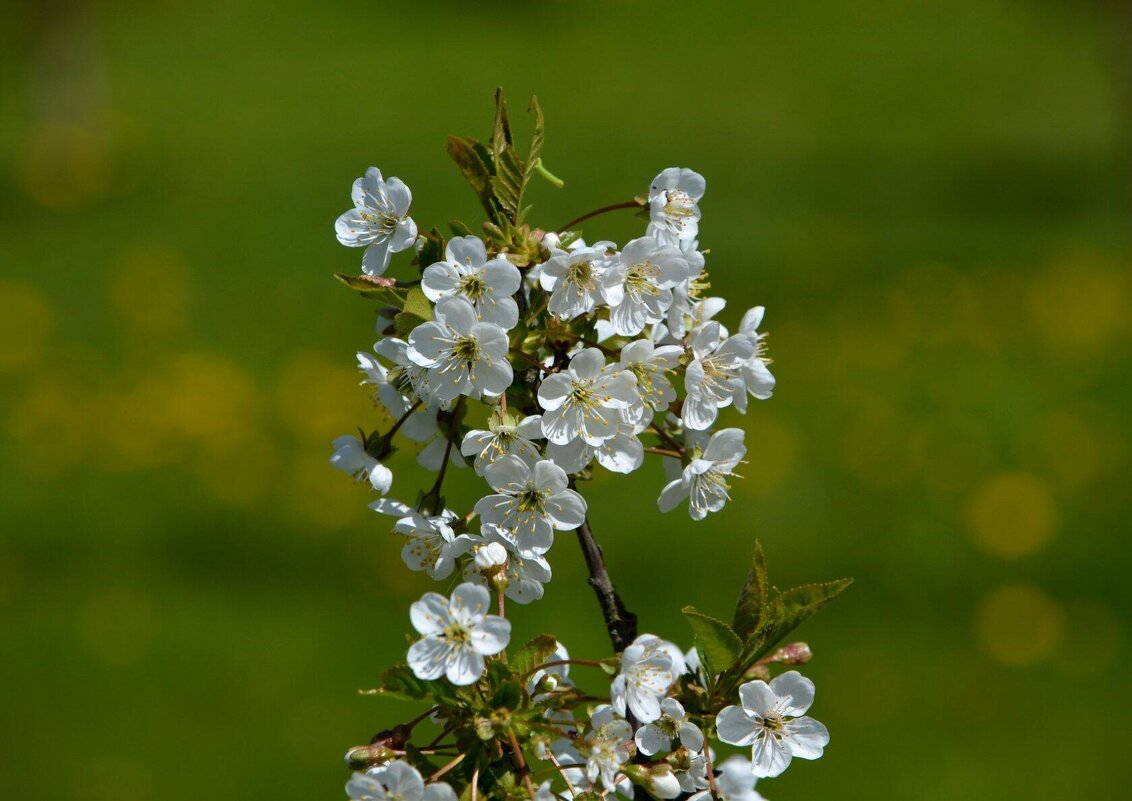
587	363
795	693
567	510
492	635
807	737
429	615
770	756
428	658
673	493
734	726
650	740
465	667
376	258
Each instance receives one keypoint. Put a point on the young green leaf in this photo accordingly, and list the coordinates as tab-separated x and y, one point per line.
373	290
753	607
533	653
716	643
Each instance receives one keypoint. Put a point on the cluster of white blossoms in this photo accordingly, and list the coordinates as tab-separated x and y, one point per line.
579	358
584	354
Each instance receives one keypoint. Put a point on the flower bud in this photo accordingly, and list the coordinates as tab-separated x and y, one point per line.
658	781
551	241
367	756
796	653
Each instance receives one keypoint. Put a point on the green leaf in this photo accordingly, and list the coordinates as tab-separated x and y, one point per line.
368	288
417	310
508	695
533	653
433	249
399	681
459	228
716	643
801	603
753	607
475	163
537	139
501	131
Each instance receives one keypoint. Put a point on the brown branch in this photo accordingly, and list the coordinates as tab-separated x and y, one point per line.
629	204
619	621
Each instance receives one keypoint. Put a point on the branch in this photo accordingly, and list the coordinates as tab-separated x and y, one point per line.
629	204
619	621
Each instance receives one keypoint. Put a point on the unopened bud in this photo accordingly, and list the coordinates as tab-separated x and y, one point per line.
551	241
658	781
796	653
484	730
368	756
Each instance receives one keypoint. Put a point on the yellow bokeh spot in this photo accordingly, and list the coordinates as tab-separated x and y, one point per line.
26	323
117	626
1019	625
1012	515
318	397
1080	305
150	289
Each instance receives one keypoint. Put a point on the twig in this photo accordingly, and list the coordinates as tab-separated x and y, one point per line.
629	204
668	438
521	763
664	452
447	767
619	621
401	420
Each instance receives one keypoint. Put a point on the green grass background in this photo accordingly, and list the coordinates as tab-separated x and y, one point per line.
930	198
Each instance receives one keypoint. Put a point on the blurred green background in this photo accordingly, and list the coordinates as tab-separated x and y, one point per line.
930	198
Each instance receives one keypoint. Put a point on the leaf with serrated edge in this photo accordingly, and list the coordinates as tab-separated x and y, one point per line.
533	653
386	295
753	599
716	643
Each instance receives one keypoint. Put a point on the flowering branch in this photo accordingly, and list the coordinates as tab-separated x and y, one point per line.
619	621
566	355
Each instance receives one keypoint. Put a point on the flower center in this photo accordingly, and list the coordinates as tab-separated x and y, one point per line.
773	724
467	349
581	273
384	220
456	634
641	279
472	286
530	500
679	204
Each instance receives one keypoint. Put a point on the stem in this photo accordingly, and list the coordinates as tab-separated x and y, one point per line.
619	621
401	420
521	763
664	435
447	767
664	452
550	177
628	204
434	493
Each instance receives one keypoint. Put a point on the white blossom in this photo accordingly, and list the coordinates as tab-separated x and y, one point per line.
431	545
406	376
674	211
607	746
555	675
704	480
673	724
639	285
458	634
504	436
586	400
773	720
651	365
396	781
493	552
649	667
351	458
714	379
379	221
377	376
622	453
735	782
466	272
530	503
756	372
575	279
424	426
463	355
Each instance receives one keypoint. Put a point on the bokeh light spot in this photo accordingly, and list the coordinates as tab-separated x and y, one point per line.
1019	625
1012	515
150	288
117	626
26	323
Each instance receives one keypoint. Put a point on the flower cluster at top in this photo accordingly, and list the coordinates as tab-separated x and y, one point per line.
581	353
579	356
